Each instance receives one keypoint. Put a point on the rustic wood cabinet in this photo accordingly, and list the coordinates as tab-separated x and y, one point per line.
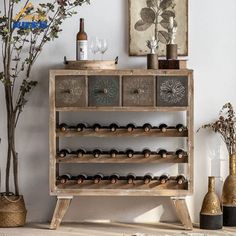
122	91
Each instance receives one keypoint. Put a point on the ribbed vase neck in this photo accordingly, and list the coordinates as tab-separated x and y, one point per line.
211	184
232	164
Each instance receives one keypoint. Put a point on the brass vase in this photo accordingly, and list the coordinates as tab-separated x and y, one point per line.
229	195
211	216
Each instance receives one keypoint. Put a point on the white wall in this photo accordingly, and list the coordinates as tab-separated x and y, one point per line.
212	47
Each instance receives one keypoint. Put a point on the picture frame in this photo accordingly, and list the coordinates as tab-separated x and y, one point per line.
142	28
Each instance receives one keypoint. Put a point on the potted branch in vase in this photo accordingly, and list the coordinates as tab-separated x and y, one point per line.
23	36
226	127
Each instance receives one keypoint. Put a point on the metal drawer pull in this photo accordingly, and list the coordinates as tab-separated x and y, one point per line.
69	91
139	91
103	91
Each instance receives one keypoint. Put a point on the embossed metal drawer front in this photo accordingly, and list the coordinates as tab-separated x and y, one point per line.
104	91
172	91
70	91
138	91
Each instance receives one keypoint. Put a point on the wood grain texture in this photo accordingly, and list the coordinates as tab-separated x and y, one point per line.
60	210
123	133
121	158
182	212
171	189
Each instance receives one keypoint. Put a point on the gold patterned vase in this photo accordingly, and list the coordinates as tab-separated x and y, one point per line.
211	216
229	195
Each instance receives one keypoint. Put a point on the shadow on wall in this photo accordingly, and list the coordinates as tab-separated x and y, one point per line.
121	209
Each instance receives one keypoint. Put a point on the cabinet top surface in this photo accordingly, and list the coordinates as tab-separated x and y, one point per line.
121	72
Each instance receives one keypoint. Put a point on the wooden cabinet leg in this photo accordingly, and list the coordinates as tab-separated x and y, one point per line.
62	206
182	212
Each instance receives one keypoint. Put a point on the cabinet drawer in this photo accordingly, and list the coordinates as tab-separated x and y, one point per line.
70	91
104	91
172	91
138	91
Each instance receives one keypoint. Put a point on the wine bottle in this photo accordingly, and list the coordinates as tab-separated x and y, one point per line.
148	178
63	127
64	152
129	153
179	153
81	152
180	179
180	128
163	153
114	178
96	127
82	43
130	178
97	153
98	177
113	127
146	153
147	127
130	127
113	153
64	178
163	128
81	127
164	178
81	178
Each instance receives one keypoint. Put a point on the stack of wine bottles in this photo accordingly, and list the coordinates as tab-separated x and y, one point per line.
114	178
116	127
130	153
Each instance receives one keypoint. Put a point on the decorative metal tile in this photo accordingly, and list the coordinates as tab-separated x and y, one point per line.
172	91
70	91
138	91
104	91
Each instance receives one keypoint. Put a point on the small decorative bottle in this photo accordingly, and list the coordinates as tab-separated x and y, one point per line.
211	216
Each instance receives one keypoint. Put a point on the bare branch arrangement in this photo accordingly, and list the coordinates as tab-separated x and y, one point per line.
21	47
226	127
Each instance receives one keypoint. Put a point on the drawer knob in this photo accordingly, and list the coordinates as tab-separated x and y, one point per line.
105	91
139	91
69	91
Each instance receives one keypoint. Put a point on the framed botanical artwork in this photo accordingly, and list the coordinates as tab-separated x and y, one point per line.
148	18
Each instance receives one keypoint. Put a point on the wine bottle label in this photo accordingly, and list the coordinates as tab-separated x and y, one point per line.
82	50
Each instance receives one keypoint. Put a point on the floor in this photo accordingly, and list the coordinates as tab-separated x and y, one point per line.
111	229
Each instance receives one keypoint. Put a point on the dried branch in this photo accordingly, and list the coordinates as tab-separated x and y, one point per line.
225	126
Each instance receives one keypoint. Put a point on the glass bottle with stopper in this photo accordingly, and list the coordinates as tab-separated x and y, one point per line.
152	57
172	47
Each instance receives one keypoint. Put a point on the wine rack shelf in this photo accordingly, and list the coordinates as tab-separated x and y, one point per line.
122	184
166	91
138	132
122	158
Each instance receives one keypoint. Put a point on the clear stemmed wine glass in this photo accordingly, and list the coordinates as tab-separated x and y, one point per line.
94	46
103	46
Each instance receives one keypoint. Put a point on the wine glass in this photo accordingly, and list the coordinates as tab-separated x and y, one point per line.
94	46
103	46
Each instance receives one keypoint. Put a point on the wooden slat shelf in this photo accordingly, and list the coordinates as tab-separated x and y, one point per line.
122	109
122	158
123	132
122	184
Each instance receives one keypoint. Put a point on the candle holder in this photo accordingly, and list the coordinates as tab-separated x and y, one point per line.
211	216
172	47
229	195
152	57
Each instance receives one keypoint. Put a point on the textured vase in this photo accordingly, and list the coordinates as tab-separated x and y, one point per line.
229	195
211	216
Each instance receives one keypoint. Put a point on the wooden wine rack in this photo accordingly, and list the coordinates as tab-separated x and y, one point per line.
121	91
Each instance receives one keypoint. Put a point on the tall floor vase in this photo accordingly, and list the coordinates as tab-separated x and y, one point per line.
229	195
